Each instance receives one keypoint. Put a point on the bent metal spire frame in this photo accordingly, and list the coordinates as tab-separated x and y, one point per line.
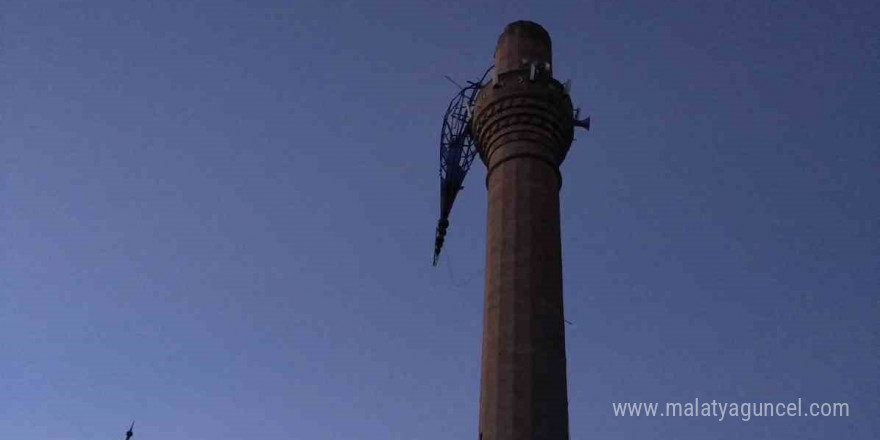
457	152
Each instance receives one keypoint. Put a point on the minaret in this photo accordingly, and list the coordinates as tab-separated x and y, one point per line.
524	125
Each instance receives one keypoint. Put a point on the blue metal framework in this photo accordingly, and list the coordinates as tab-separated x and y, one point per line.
457	152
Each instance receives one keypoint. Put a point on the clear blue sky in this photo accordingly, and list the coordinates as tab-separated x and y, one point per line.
217	217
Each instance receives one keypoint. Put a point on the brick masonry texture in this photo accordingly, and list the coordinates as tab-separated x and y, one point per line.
523	127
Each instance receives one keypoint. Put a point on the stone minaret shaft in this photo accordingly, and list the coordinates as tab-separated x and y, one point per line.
523	126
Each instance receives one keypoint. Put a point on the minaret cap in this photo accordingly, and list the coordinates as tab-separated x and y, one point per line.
523	40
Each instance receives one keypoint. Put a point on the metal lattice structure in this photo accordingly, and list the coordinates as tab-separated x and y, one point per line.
457	152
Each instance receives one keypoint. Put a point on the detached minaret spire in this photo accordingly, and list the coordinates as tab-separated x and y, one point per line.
523	126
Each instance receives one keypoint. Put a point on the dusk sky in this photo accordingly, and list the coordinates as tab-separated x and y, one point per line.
217	217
